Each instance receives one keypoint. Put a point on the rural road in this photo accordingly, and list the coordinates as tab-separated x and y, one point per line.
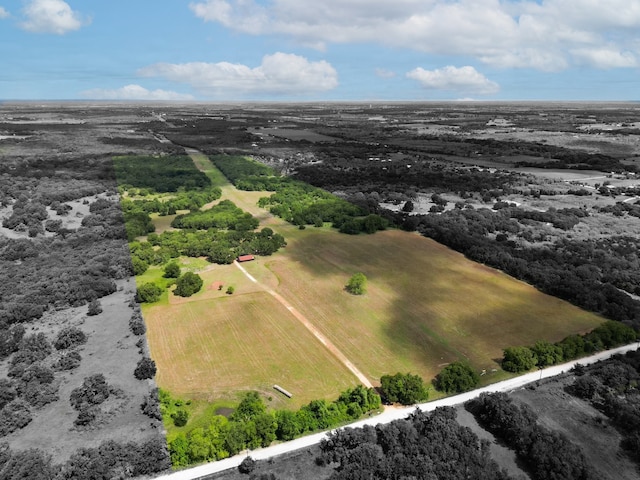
309	326
390	415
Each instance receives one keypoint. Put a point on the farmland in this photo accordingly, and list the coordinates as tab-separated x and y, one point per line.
422	310
531	209
214	349
426	306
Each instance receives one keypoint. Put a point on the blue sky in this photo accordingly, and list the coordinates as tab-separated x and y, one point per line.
308	50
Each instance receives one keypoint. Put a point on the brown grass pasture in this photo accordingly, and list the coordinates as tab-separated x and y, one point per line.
216	348
426	305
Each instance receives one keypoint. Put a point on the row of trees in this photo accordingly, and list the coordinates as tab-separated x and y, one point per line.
110	460
252	426
546	454
159	174
425	445
542	354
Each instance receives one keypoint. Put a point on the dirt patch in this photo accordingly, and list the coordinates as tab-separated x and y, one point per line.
225	411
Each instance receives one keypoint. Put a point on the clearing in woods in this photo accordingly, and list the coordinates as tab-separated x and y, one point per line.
425	306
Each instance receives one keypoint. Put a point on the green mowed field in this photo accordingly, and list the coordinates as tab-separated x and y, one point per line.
217	348
425	305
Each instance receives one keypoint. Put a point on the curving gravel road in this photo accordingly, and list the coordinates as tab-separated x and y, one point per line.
390	415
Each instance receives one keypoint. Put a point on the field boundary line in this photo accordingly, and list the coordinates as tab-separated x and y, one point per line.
309	326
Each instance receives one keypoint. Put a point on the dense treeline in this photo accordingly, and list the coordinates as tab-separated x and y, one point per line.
79	266
238	169
298	202
612	387
218	246
558	157
108	461
252	426
587	273
225	215
547	455
136	211
357	173
542	354
423	446
159	174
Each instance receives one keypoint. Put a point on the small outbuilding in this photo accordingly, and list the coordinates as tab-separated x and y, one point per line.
245	258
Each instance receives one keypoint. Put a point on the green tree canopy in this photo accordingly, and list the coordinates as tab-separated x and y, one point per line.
518	359
357	284
171	270
148	292
457	377
188	284
406	389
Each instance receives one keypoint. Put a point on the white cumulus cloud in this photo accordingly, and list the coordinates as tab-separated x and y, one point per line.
549	35
3	13
606	58
462	80
134	92
278	74
51	16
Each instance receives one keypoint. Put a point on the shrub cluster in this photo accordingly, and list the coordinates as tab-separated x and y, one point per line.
69	337
145	369
87	398
136	323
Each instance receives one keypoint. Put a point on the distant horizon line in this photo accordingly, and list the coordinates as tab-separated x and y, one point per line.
315	102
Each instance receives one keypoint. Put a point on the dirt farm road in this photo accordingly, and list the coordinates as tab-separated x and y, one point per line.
390	415
309	326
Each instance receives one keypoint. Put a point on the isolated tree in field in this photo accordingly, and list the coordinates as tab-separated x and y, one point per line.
69	337
357	284
171	270
188	284
94	308
457	377
408	206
